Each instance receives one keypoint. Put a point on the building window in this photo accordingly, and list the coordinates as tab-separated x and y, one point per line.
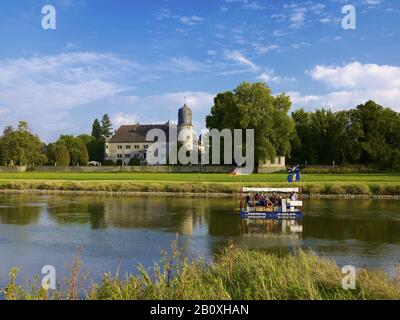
146	146
128	146
106	146
119	156
119	147
127	156
136	146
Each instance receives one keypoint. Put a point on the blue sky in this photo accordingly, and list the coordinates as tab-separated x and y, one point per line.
137	60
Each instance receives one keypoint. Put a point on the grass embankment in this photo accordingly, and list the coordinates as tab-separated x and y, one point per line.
312	184
237	274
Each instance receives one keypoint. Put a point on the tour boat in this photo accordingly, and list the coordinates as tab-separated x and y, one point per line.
278	204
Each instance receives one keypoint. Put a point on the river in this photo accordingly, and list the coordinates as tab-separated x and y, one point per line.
116	232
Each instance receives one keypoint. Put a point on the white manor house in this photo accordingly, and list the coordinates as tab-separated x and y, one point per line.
129	141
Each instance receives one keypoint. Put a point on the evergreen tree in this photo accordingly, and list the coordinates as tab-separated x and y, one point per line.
96	129
106	126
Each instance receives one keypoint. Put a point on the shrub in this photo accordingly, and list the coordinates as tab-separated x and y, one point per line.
119	163
108	163
134	162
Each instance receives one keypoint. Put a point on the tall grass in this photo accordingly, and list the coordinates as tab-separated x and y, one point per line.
236	273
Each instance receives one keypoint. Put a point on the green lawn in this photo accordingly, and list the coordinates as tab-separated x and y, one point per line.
202	177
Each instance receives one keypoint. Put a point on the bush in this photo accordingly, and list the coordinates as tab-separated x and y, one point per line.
341	169
108	163
119	163
134	162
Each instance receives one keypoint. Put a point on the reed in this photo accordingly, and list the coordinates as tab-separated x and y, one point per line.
236	273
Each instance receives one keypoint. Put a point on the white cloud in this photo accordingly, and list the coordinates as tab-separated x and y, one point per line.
119	119
239	58
191	20
269	76
254	5
353	84
347	99
356	75
262	49
297	15
183	65
45	89
372	3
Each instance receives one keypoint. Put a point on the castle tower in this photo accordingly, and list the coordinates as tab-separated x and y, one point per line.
185	127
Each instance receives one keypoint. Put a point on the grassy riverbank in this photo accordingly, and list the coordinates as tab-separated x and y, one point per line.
235	274
312	184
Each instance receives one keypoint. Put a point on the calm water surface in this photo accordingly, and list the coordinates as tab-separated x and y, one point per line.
112	232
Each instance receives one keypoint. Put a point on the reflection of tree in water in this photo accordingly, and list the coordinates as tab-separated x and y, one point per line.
19	214
375	222
19	209
179	215
81	210
222	218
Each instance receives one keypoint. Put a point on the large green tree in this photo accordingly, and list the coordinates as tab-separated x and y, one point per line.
61	155
76	148
20	146
252	106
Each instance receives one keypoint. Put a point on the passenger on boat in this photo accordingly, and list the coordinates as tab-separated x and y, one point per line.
263	201
293	196
257	198
248	200
275	199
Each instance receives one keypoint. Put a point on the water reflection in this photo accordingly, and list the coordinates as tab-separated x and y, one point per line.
111	228
19	210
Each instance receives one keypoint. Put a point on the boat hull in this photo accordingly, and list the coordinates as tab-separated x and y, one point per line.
272	215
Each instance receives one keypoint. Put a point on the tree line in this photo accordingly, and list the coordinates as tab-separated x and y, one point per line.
368	134
21	147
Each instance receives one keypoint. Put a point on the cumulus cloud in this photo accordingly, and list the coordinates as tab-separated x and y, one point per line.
353	84
358	75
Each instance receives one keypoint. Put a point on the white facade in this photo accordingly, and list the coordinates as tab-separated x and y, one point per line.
126	151
130	141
